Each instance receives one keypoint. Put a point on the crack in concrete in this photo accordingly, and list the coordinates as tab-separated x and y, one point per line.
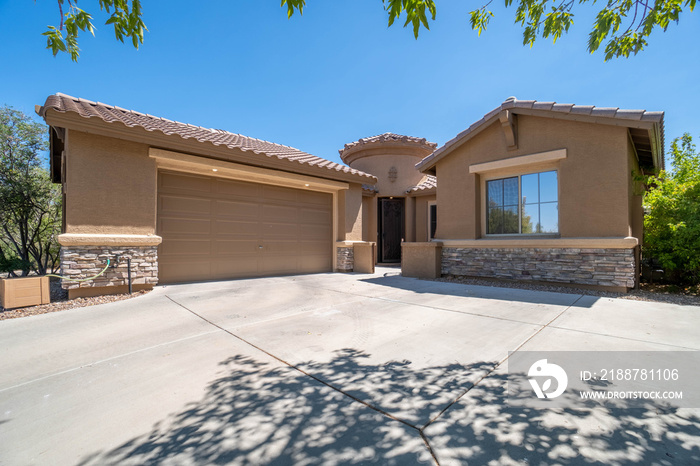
112	358
499	363
317	379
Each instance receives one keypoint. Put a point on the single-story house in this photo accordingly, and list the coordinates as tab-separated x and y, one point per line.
543	192
536	191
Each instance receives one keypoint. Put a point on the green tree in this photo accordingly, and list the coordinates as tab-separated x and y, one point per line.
672	220
623	25
124	16
30	204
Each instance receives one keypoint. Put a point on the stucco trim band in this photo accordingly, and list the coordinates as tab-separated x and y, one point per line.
210	167
524	160
597	243
73	239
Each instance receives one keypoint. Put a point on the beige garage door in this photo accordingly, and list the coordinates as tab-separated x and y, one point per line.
218	229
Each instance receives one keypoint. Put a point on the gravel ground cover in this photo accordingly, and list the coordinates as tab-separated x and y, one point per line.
661	293
60	302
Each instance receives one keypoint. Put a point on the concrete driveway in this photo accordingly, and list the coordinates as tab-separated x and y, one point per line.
326	369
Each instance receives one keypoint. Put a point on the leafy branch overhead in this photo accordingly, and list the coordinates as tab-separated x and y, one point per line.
622	26
124	16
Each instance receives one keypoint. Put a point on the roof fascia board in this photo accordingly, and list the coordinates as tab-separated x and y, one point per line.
614	121
454	143
176	161
71	120
425	166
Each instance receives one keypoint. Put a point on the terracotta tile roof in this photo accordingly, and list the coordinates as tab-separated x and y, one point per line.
515	105
427	183
388	137
370	187
111	114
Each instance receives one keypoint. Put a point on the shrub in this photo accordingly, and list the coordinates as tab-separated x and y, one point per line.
672	220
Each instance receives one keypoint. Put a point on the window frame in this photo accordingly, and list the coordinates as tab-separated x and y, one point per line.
430	217
518	175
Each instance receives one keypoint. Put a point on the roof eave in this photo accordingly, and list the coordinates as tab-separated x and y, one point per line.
652	121
119	130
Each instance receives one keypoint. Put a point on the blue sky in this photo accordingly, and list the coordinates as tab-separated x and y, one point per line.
337	74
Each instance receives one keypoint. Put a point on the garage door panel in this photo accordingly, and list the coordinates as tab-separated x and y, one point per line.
213	229
310	264
235	268
182	271
314	198
184	226
281	265
238	189
280	213
185	247
237	209
314	247
280	231
315	233
236	228
180	183
184	205
271	193
282	247
315	216
233	247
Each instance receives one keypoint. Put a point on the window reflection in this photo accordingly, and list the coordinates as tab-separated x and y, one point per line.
537	212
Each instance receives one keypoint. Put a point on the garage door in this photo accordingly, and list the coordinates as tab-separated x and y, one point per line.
217	229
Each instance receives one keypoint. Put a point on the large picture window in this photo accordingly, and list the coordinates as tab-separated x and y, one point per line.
526	204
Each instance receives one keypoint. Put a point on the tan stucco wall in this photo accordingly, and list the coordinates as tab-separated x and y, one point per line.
409	219
350	213
364	255
636	191
422	217
593	178
369	223
421	260
110	186
379	165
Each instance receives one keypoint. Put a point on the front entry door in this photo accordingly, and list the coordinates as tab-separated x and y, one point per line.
391	223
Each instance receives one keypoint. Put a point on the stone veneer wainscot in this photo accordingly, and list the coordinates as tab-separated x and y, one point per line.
599	267
345	259
80	262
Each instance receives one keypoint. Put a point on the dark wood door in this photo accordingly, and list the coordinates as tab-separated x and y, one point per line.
392	229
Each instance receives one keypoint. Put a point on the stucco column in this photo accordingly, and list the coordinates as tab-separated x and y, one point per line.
410	217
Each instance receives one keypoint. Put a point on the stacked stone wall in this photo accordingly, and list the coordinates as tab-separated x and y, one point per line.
346	259
599	267
80	262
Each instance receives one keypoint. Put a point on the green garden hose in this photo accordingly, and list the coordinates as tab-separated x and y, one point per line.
80	279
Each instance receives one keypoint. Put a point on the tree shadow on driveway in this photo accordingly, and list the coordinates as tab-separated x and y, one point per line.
481	292
265	413
483	429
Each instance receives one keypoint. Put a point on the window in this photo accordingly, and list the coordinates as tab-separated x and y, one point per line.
432	219
526	204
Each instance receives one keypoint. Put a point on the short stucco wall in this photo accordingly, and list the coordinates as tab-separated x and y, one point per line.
364	257
355	256
421	260
611	268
